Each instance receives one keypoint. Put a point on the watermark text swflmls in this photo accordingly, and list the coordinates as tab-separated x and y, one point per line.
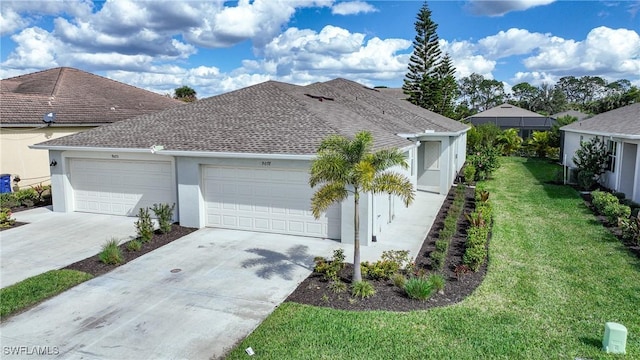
30	350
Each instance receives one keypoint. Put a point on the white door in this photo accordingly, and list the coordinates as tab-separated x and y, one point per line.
265	200
120	187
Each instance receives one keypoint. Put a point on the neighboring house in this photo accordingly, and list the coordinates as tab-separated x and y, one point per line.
620	129
573	113
507	116
79	101
240	160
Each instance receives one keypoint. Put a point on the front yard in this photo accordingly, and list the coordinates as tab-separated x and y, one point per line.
555	276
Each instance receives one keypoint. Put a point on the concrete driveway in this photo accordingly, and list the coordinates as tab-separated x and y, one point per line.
54	240
193	299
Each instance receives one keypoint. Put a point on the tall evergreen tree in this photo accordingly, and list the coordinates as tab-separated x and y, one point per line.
428	80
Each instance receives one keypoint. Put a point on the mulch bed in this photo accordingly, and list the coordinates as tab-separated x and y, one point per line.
315	291
632	247
95	267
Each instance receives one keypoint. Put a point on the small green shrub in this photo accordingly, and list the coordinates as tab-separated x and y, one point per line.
399	280
418	288
442	245
438	259
477	236
111	253
362	289
337	286
474	257
602	199
437	281
630	228
399	257
164	213
134	245
26	197
381	269
330	268
6	221
613	212
469	173
144	225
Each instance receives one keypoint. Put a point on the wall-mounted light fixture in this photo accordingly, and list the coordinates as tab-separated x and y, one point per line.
53	163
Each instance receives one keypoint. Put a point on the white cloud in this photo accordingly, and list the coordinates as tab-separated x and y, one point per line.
501	7
37	48
16	15
605	51
467	60
534	78
511	42
352	8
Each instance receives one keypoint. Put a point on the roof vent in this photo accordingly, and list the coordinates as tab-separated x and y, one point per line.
319	98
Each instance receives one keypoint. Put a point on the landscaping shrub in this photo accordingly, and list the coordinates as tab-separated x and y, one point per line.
134	245
111	253
437	281
337	286
6	221
613	212
330	268
418	288
399	280
469	173
602	199
591	159
390	263
630	229
164	213
144	225
442	245
362	289
486	160
438	259
474	257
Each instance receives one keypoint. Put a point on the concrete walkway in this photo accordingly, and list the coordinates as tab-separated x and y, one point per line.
194	298
53	240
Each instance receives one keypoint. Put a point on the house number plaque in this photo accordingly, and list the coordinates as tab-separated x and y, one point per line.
266	163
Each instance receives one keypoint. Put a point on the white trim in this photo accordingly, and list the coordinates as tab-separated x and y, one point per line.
235	155
434	134
601	133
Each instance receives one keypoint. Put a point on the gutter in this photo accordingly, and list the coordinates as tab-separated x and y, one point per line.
600	133
158	150
430	134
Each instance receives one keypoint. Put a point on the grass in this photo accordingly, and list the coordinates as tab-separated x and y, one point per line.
38	288
555	277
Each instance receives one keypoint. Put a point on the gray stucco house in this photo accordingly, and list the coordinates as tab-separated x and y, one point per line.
620	129
240	160
507	116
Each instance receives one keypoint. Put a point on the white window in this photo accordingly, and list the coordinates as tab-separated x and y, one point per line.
611	166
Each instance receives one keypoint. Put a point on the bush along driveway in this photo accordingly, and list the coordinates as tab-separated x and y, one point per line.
555	276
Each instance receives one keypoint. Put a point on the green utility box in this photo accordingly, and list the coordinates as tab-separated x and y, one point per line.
615	338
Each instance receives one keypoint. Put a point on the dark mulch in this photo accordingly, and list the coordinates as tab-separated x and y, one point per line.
15	225
315	291
95	267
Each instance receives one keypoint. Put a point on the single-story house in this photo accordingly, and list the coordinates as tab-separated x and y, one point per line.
507	116
57	102
620	129
241	160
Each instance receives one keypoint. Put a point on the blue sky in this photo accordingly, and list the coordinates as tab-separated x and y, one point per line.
216	46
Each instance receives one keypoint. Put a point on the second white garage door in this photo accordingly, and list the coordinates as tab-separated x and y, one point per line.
265	200
120	187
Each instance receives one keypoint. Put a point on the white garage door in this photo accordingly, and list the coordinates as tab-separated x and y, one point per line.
265	200
120	187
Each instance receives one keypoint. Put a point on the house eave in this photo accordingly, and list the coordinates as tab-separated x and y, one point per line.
433	134
602	133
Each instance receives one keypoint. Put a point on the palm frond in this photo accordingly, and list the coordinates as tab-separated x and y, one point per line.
386	158
395	184
326	196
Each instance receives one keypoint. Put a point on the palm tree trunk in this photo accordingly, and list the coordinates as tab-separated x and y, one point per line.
357	273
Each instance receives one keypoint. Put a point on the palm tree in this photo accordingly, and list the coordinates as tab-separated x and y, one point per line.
344	167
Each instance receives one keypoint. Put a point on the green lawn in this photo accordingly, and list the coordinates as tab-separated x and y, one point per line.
555	277
38	288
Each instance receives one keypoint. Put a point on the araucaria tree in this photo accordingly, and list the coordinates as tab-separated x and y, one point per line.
429	82
346	167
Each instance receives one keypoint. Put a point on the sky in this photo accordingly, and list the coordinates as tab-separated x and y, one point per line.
219	46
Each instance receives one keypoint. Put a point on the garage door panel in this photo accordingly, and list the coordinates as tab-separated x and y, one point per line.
265	200
120	187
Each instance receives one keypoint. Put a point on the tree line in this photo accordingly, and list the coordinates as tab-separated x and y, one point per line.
430	83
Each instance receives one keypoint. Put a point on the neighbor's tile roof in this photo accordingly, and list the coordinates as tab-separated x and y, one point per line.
620	121
505	110
271	117
77	98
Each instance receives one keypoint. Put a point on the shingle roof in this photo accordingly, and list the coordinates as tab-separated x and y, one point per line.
396	93
576	114
505	110
77	98
620	121
272	118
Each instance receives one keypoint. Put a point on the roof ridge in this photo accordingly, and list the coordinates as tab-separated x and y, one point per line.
57	83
